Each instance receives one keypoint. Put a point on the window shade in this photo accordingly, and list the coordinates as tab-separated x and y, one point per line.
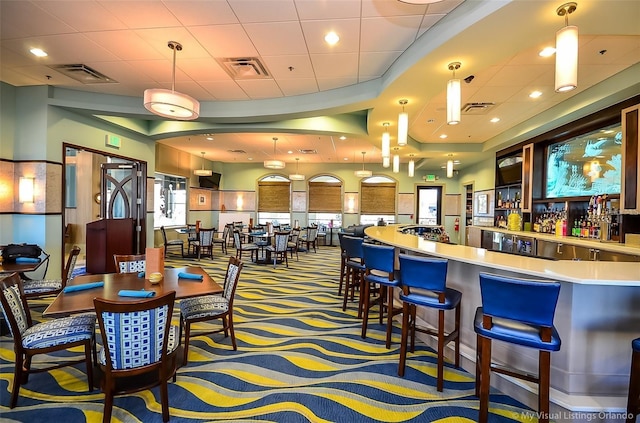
274	196
378	198
325	197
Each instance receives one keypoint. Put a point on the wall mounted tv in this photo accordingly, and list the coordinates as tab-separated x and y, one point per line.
212	181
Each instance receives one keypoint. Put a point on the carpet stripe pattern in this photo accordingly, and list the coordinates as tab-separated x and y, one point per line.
300	358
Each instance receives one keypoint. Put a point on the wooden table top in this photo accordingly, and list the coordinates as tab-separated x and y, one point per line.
10	267
82	301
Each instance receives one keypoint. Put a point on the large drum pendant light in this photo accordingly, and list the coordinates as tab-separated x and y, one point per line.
566	51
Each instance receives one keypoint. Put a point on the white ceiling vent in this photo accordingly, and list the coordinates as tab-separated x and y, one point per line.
308	151
477	108
244	67
83	73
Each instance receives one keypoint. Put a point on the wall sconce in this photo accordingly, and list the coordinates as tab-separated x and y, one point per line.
351	204
25	190
566	51
453	96
239	202
403	124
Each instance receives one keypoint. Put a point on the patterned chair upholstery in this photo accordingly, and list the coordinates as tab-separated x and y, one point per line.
171	243
210	307
240	247
310	238
137	338
41	338
279	249
130	263
292	245
45	287
204	245
224	239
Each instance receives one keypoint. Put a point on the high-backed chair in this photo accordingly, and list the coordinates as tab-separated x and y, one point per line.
292	245
192	236
137	339
45	287
424	284
379	262
240	247
171	244
130	263
521	312
224	238
204	244
343	264
210	307
279	249
42	338
355	268
633	399
309	239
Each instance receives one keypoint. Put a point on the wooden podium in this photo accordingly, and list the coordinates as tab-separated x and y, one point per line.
106	237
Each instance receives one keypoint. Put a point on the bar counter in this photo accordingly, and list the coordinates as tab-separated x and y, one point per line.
597	317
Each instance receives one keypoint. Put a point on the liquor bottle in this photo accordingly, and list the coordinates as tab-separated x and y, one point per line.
499	199
517	200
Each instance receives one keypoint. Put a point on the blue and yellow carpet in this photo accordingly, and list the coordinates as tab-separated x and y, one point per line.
300	358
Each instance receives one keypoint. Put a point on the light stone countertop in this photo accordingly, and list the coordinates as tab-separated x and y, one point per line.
581	272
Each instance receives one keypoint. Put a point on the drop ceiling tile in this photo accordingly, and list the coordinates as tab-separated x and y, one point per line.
224	90
260	88
298	86
198	12
141	14
445	6
62	49
279	66
272	39
328	9
206	69
251	11
347	29
158	38
126	45
516	75
24	19
377	9
83	16
335	65
428	21
375	64
386	34
225	40
331	83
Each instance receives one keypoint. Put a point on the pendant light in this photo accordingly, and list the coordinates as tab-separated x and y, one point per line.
453	96
386	162
403	124
273	163
450	166
170	103
386	141
296	176
363	173
412	166
203	171
396	161
566	51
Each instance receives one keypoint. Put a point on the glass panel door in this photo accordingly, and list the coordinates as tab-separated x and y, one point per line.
429	205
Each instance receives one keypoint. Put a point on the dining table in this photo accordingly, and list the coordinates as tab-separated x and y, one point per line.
182	280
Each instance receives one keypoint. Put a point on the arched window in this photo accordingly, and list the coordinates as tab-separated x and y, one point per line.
377	200
274	200
325	201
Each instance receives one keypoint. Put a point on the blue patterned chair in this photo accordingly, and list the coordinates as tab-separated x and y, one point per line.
138	339
42	338
130	263
210	307
354	269
45	287
279	249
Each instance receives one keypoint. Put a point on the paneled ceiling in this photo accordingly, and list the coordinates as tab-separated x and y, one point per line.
388	51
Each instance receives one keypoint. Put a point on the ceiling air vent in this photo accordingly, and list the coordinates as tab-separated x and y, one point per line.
83	73
237	151
308	151
477	108
244	67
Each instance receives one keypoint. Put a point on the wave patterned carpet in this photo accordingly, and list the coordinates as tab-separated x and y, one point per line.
300	358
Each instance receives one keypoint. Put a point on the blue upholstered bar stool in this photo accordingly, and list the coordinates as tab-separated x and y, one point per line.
379	262
633	401
343	264
516	311
354	264
429	276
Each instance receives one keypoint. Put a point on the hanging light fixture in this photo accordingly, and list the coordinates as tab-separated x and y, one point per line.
566	51
170	103
396	161
403	124
273	163
386	162
363	173
203	171
296	176
450	167
412	166
386	141
453	96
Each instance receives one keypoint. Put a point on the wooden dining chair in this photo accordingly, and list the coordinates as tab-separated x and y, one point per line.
47	287
241	247
210	307
280	248
224	238
146	343
204	244
130	263
43	338
171	244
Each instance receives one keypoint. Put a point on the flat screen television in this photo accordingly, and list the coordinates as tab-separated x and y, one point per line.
212	181
509	170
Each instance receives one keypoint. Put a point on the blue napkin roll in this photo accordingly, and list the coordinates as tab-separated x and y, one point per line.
27	260
90	285
141	274
132	293
183	275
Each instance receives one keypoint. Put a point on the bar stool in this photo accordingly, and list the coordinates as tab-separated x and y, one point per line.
633	401
354	264
343	264
521	312
379	261
430	276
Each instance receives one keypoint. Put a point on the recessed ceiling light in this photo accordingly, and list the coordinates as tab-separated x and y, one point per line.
331	38
535	94
345	159
547	52
209	138
38	52
342	138
494	120
289	152
443	136
250	158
